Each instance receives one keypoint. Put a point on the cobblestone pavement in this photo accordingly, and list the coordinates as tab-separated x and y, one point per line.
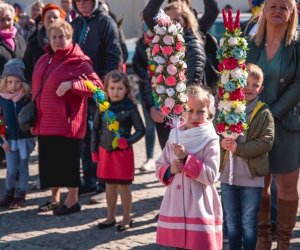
25	229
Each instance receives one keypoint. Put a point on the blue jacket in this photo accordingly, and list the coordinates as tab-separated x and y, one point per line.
10	111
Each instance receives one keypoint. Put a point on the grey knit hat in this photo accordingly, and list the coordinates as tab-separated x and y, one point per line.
14	67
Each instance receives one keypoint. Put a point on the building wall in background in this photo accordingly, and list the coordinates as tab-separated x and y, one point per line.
131	9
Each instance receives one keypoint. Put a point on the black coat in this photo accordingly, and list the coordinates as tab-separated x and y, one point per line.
98	37
6	53
34	51
140	61
127	115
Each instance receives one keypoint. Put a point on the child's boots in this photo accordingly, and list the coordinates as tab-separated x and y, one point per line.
18	202
7	199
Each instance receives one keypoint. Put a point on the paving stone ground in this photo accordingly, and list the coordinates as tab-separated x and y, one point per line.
25	229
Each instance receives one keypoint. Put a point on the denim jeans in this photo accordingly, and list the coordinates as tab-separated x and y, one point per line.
150	127
241	205
15	164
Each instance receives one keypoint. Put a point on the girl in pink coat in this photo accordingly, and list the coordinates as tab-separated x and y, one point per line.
191	214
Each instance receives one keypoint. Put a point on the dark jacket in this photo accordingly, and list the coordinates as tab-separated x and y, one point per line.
10	111
34	50
140	62
6	52
127	115
259	141
97	35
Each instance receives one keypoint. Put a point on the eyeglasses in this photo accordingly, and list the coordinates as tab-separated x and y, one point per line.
5	19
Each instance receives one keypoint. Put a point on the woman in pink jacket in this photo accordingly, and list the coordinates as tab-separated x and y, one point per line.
62	111
191	214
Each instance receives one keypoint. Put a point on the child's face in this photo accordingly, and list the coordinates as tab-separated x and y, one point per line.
197	114
116	91
13	84
253	89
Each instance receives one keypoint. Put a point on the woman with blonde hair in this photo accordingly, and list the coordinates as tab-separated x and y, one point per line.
276	49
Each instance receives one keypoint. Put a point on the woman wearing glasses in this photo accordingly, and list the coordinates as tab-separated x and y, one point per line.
12	44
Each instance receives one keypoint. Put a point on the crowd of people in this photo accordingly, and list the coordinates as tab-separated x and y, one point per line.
49	56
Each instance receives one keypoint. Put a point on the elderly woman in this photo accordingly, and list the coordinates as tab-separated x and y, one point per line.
37	42
276	49
12	44
62	111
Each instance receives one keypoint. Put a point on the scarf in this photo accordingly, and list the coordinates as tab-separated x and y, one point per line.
12	96
8	36
195	139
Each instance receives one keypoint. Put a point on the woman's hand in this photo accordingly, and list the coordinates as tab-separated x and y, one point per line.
179	151
63	88
156	115
176	166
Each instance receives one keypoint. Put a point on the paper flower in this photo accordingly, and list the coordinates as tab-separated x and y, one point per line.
232	55
169	80
100	98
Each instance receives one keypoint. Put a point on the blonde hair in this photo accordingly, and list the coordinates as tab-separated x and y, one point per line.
62	25
255	72
118	76
187	15
25	87
4	7
204	97
292	27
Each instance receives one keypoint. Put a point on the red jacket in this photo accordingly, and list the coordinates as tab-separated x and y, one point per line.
63	115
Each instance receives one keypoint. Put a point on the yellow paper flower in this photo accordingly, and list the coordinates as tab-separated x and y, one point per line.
226	95
104	106
152	67
90	85
113	126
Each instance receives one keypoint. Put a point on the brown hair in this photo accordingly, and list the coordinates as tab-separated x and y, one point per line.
291	29
118	76
204	97
187	15
187	2
255	72
62	25
25	86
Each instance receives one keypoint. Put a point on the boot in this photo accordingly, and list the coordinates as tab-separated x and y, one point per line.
286	220
7	198
264	241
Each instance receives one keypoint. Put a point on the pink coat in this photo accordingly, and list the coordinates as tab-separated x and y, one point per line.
190	214
63	115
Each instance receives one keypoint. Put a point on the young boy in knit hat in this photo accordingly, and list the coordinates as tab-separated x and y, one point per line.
14	95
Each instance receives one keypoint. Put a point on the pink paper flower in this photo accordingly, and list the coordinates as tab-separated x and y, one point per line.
171	81
169	102
178	109
159	68
237	95
230	63
171	69
165	110
221	128
155	39
160	78
167	50
179	46
168	40
182	76
155	49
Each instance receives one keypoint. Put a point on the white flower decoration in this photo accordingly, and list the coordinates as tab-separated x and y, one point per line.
221	42
173	29
232	41
240	108
170	92
159	59
236	73
174	59
224	77
160	89
183	97
180	38
160	30
180	87
224	105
